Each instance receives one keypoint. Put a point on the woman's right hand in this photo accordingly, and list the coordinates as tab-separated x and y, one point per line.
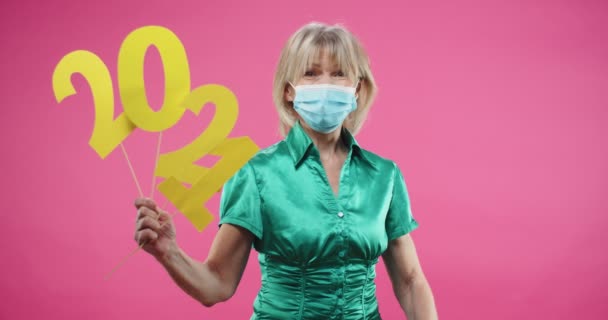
154	227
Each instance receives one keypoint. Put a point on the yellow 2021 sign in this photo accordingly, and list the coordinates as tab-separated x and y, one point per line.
177	167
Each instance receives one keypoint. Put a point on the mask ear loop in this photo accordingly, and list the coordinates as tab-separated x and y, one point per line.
291	102
293	87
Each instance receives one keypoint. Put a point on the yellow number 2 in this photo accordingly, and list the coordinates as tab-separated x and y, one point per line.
107	132
179	165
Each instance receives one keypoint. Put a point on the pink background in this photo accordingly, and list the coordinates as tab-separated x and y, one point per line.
496	111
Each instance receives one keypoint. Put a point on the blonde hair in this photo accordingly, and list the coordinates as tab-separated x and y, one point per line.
299	53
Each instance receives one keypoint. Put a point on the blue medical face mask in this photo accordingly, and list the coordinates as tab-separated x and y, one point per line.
324	106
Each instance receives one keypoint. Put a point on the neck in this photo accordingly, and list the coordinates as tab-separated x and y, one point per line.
329	144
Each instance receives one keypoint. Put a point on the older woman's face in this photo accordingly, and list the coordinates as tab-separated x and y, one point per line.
325	71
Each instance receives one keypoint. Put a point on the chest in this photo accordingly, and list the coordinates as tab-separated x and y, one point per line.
333	170
303	221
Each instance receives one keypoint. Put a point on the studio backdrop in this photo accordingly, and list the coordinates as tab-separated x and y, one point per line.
495	111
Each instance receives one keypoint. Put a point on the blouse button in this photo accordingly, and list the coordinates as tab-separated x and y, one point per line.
341	254
340	214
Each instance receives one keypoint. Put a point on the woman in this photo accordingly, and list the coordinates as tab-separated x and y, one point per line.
317	207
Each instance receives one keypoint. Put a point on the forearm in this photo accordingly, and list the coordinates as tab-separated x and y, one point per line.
194	277
416	300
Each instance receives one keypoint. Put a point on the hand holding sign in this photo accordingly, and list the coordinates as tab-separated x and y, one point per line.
177	166
155	231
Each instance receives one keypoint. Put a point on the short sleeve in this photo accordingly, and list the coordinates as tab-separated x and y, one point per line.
240	201
399	219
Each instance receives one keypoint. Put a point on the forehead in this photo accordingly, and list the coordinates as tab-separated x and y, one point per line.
323	60
332	48
324	56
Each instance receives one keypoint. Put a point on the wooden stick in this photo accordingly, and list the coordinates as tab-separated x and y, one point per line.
160	138
124	151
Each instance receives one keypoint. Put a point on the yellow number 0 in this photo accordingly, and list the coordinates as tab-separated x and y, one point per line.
131	77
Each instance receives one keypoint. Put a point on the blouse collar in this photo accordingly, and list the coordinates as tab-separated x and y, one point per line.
299	144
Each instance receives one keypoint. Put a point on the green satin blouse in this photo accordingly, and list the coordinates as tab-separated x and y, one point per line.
317	252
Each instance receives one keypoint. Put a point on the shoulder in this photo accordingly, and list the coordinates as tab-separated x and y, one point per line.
257	168
271	157
380	163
